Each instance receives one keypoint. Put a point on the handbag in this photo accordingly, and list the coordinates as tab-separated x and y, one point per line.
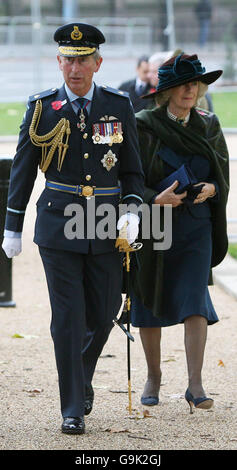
183	175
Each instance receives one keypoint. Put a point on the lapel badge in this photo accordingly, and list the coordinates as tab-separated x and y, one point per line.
109	160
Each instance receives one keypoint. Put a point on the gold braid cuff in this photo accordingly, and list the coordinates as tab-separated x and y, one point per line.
56	135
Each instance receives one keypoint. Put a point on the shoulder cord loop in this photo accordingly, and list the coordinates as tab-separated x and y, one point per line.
56	135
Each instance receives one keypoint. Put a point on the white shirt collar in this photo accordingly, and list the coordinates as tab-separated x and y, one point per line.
72	96
139	82
175	118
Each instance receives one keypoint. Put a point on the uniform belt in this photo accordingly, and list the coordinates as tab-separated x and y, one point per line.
82	190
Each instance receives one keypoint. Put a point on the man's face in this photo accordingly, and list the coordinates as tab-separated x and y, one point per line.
78	72
142	71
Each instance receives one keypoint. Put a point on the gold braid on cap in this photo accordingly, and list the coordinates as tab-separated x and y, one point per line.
56	135
76	51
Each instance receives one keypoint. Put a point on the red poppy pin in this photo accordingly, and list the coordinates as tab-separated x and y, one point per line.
56	105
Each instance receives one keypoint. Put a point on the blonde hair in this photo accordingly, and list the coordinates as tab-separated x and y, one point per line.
163	97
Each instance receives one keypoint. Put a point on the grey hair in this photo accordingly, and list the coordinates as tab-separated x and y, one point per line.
163	98
96	55
160	57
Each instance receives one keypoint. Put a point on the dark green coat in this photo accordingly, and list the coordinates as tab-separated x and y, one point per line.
202	136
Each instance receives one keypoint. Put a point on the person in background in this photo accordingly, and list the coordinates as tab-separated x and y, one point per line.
170	287
84	139
203	11
138	86
155	61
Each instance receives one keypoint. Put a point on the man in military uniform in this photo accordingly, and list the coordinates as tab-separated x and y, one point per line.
83	137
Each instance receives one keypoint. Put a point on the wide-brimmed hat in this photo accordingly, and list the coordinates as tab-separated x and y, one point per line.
182	69
78	39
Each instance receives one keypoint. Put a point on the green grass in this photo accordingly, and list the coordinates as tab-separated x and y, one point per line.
225	105
233	250
11	115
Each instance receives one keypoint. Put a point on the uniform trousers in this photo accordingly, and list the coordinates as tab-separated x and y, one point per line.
85	296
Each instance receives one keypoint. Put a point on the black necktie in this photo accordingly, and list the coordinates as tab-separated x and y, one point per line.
82	113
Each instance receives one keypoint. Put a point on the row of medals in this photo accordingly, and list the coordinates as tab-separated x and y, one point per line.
111	133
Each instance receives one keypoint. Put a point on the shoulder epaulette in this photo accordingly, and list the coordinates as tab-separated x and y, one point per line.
115	91
43	94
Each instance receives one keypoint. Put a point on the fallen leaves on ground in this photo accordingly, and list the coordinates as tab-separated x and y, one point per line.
170	359
139	437
17	335
141	414
115	430
33	392
221	363
104	356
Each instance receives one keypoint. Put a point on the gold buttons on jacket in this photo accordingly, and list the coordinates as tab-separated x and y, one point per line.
85	135
88	177
86	155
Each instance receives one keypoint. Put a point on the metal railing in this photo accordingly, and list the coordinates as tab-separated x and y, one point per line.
124	32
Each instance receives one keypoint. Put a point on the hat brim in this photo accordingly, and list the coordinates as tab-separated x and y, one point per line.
206	78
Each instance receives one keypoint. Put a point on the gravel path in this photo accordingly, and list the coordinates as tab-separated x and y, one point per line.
29	401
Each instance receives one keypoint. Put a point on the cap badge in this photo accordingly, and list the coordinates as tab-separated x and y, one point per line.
76	34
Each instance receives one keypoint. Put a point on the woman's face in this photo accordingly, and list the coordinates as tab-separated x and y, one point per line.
183	97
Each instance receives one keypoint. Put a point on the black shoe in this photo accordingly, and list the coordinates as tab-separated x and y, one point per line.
89	398
73	425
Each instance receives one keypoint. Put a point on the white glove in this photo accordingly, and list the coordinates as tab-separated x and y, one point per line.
11	246
133	225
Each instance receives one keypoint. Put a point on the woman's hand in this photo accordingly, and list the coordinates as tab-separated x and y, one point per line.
208	190
168	196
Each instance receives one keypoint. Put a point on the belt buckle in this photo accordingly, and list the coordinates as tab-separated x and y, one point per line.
87	191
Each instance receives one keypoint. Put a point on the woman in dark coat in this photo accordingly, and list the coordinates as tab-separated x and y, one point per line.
171	286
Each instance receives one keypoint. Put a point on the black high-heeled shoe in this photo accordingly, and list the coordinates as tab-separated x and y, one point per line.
200	402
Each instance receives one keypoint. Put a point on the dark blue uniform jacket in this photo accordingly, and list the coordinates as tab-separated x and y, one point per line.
82	166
